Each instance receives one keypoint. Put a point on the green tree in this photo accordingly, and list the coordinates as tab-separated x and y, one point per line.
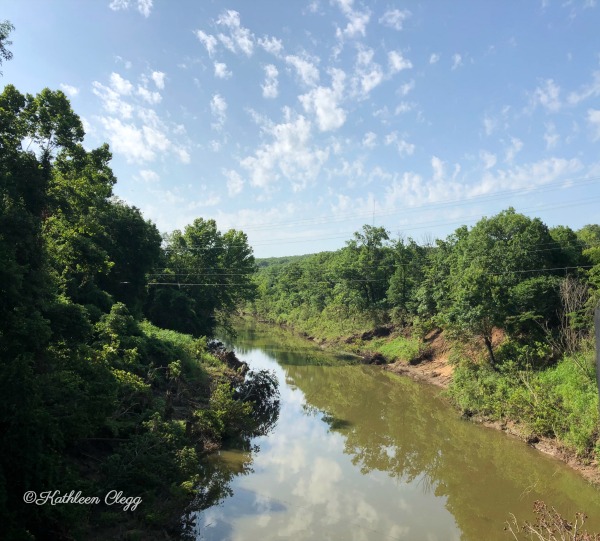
5	29
486	264
206	275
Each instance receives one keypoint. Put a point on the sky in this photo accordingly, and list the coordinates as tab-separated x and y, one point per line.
298	122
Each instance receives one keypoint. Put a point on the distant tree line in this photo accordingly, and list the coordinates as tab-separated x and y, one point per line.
509	272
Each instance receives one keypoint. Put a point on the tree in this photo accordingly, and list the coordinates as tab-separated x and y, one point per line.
5	29
485	265
206	275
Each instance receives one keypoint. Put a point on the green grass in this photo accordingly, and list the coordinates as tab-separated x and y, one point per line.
559	402
401	349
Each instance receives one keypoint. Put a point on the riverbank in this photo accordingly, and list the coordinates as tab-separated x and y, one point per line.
431	365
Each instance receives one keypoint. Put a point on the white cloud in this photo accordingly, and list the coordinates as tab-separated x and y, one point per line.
489	124
143	6
551	136
128	140
369	140
488	159
547	95
324	102
241	39
357	20
289	154
403	107
270	86
371	79
235	183
394	18
271	45
126	63
515	147
149	176
593	118
398	62
69	90
434	58
111	100
150	97
116	5
182	154
306	70
587	91
159	79
120	85
209	41
218	107
221	71
407	87
404	147
438	169
457	61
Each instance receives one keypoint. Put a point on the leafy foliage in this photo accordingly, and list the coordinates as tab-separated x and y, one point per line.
92	397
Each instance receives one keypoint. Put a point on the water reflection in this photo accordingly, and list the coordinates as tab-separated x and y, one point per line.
361	454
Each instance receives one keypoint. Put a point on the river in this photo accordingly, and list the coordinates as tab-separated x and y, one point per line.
362	454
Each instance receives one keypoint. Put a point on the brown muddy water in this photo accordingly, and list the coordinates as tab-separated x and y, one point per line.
362	454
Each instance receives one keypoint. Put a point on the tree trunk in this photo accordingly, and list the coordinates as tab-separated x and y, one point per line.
488	344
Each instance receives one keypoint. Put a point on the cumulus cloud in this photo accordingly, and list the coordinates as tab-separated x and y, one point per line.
324	102
369	140
438	169
593	118
591	90
128	139
357	20
271	45
406	88
551	136
148	96
120	85
488	159
270	86
513	149
235	183
434	58
143	6
209	41
159	79
547	95
112	101
132	129
398	62
394	18
149	176
404	147
218	107
306	70
221	71
240	38
69	90
289	154
457	61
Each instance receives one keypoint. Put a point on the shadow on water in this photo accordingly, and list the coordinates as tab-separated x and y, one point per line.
362	454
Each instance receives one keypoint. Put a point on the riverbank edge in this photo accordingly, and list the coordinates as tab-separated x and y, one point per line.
435	371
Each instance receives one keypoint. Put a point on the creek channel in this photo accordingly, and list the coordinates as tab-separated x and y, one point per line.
362	454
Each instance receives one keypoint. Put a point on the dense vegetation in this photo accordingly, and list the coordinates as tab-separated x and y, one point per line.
99	391
513	297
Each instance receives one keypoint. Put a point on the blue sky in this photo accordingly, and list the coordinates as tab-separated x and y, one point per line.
300	121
